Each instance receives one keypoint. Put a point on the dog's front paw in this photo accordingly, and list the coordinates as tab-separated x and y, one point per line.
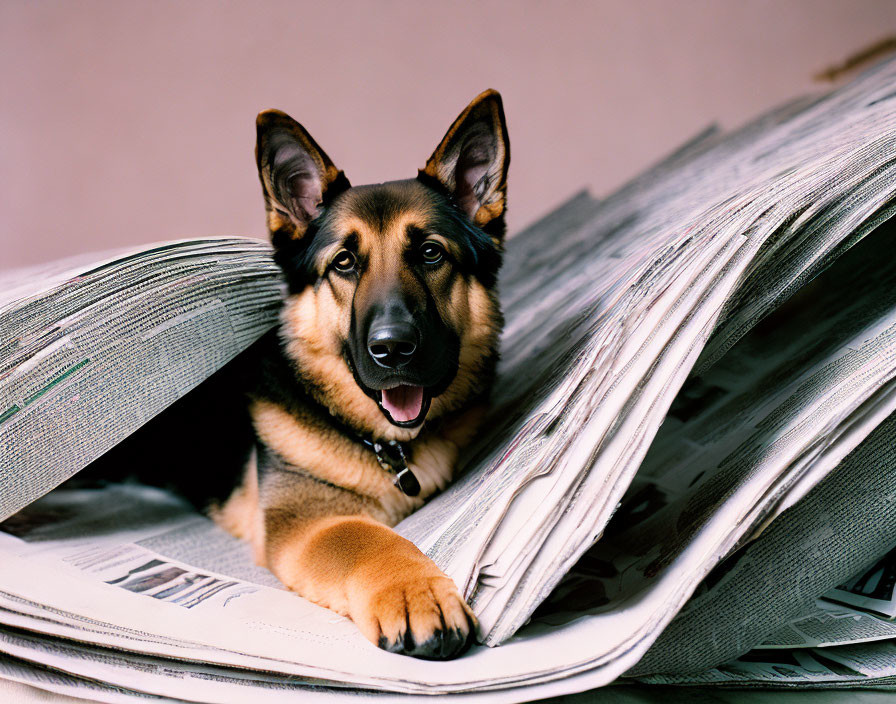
424	618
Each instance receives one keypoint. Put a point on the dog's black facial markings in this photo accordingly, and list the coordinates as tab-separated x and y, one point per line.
408	306
460	248
377	396
299	259
433	369
480	255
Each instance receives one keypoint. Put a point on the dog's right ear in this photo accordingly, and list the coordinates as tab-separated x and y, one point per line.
472	160
297	176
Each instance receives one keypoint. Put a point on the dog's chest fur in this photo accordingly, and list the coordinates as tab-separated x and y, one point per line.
325	463
329	456
305	454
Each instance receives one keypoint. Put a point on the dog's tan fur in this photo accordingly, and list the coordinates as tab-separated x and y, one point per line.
319	514
315	322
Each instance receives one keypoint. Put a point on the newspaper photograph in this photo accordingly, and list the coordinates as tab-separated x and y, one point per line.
872	590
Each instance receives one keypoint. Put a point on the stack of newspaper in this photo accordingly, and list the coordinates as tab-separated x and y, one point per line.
687	477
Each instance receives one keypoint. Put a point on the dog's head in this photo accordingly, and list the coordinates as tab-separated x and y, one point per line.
391	317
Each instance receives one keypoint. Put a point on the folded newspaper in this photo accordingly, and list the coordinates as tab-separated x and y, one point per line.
688	476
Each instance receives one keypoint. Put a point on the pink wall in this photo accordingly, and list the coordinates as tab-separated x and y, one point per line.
128	122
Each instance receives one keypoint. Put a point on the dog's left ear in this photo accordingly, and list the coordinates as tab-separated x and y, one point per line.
297	176
472	160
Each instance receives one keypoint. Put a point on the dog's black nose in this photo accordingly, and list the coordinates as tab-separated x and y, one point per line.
392	345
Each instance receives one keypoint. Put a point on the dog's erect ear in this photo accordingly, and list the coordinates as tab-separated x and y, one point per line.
296	175
472	160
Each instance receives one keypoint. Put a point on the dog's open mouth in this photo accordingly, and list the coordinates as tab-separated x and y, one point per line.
404	404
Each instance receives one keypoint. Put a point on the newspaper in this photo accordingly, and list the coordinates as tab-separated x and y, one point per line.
688	365
776	579
175	585
110	344
639	301
861	610
749	415
872	590
868	665
826	625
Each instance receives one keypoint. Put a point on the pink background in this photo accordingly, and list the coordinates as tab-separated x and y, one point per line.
130	122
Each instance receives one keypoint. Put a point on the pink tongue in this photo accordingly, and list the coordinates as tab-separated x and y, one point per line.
404	403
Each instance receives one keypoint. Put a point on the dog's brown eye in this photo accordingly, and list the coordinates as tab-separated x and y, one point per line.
344	261
431	253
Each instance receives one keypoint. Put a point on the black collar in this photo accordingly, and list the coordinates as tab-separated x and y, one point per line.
393	457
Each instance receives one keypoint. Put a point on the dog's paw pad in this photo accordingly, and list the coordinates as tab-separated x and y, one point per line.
427	619
443	644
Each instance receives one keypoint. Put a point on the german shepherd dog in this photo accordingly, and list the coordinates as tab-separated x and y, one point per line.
387	347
